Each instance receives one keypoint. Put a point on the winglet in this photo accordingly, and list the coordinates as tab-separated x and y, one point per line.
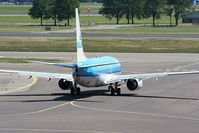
80	51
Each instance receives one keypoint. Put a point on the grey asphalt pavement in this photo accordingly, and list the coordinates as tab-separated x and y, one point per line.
167	105
100	35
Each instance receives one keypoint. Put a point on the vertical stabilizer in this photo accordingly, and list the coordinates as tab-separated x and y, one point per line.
80	51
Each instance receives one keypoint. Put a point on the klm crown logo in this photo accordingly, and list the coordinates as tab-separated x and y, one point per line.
79	44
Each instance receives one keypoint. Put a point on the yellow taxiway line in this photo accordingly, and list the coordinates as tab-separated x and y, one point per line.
39	111
135	113
21	88
142	113
96	109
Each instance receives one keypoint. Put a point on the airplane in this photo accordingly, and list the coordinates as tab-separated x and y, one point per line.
95	72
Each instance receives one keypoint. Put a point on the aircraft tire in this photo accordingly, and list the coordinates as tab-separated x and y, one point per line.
78	91
72	91
118	91
112	91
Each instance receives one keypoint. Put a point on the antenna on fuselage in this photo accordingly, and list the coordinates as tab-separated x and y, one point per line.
80	51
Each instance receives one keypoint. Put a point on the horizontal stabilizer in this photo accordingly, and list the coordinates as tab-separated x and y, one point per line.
54	64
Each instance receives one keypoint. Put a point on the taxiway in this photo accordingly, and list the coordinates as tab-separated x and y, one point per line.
167	105
94	35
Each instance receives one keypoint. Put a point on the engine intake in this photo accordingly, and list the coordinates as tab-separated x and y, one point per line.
134	84
64	84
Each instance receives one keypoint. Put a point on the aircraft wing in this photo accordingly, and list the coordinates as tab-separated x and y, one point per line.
119	78
41	74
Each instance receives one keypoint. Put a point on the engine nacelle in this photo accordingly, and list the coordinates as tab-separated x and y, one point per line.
64	84
134	84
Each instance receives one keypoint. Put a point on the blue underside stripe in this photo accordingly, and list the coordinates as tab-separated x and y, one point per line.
97	73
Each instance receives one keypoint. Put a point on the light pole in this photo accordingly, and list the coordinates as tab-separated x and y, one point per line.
89	10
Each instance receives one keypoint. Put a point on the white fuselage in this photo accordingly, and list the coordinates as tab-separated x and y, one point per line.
95	72
94	81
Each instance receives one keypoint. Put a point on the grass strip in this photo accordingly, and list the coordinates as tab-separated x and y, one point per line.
123	45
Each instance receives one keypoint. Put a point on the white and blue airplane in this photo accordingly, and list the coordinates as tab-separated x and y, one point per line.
95	72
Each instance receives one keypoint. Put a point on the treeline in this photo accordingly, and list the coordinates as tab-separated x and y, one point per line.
13	1
33	0
53	9
139	9
130	9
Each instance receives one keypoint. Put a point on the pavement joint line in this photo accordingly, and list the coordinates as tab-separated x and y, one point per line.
150	92
135	113
36	112
177	68
184	66
133	72
53	130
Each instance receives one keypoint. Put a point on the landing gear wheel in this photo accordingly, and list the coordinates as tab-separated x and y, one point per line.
112	91
113	88
78	91
75	90
109	88
72	91
118	91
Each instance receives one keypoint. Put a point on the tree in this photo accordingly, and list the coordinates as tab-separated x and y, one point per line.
169	9
54	6
153	8
112	9
40	10
180	8
12	1
133	9
84	0
66	9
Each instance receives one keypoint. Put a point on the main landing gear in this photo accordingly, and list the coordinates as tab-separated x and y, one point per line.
113	88
75	90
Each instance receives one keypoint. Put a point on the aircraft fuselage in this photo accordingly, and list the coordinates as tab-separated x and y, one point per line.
96	76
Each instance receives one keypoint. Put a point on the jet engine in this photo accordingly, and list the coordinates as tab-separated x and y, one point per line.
64	84
134	84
